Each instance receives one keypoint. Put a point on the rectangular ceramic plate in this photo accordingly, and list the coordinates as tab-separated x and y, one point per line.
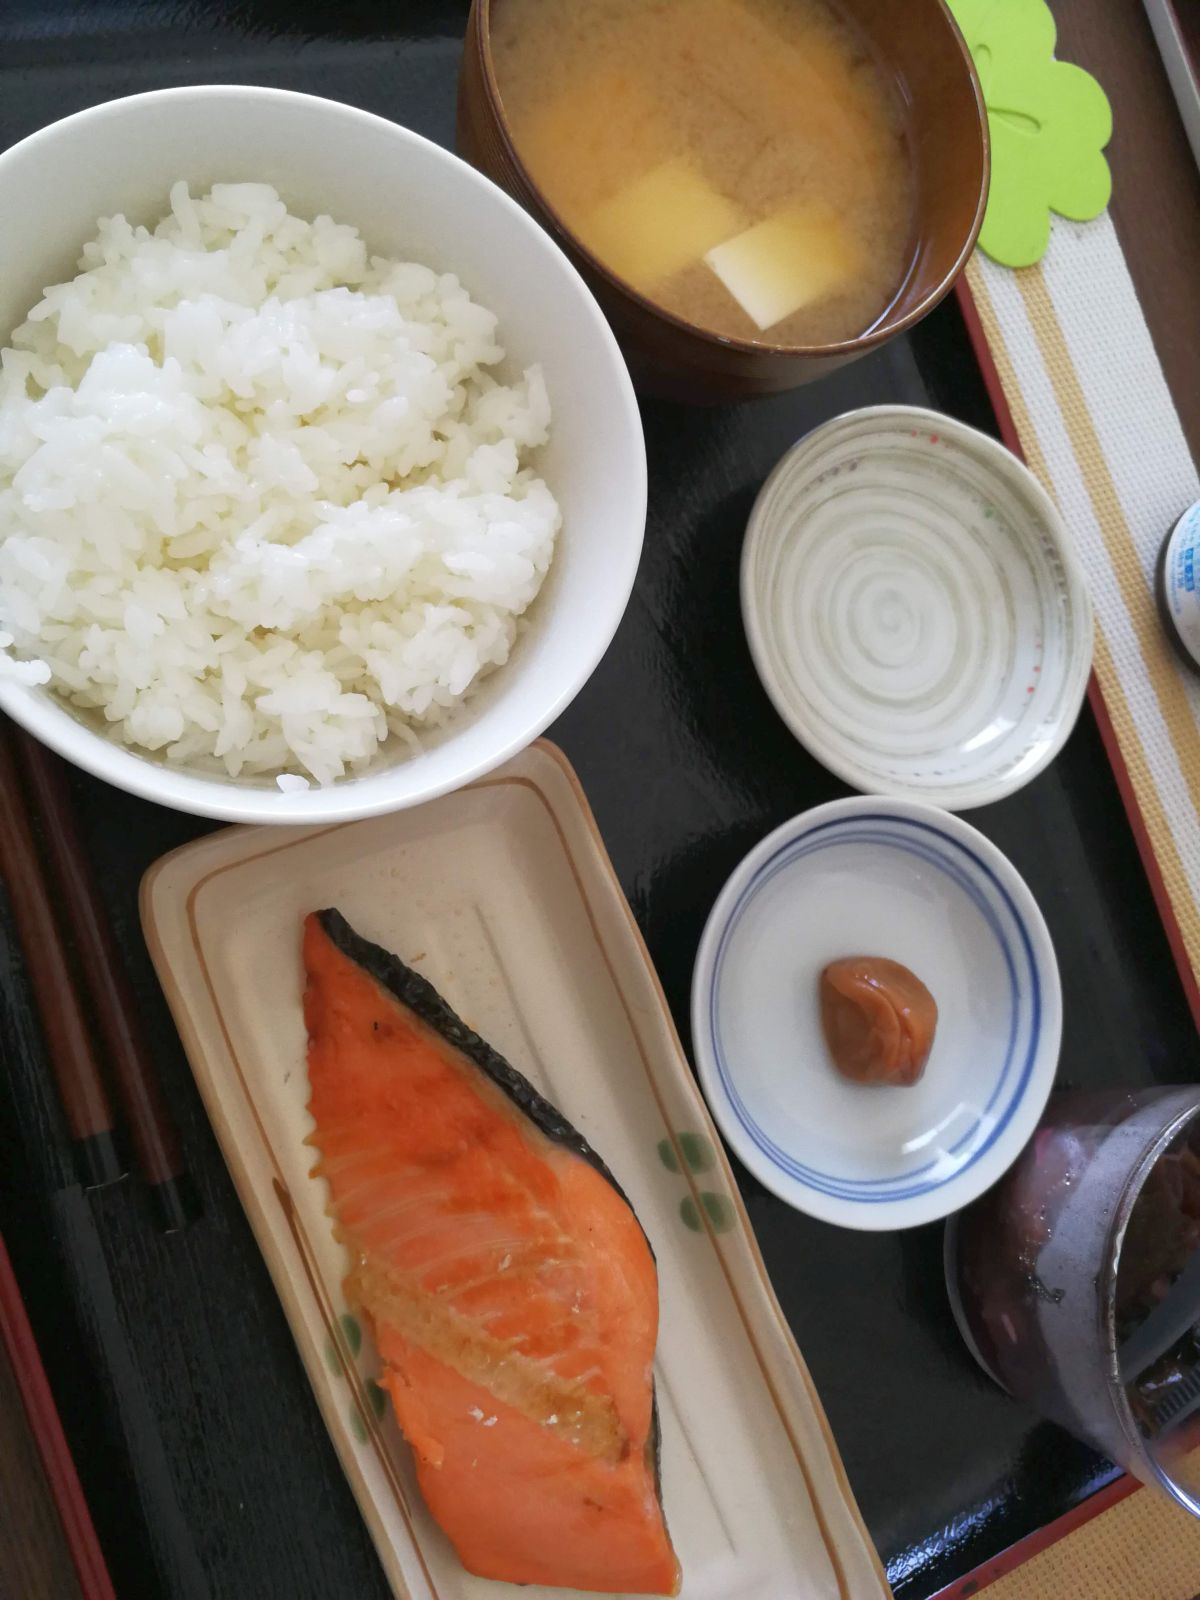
503	896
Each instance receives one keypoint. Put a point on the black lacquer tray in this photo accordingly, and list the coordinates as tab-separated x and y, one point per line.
198	1442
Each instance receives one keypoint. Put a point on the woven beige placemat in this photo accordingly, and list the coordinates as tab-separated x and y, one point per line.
1097	424
1143	1548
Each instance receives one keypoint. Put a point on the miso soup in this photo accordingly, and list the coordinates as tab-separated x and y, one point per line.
741	163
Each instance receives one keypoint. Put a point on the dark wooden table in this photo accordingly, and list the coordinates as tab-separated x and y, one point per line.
200	1448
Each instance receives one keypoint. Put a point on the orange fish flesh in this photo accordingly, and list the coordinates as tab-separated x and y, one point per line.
512	1293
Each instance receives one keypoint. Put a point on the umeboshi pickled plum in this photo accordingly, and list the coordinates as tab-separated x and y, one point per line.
879	1020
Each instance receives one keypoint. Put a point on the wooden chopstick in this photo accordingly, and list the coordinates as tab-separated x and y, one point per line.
73	1057
146	1120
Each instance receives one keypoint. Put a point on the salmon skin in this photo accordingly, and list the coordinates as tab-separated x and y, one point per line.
511	1290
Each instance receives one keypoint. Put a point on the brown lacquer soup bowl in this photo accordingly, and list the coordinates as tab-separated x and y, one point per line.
919	45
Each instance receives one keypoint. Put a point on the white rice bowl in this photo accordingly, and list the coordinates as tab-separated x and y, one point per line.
263	505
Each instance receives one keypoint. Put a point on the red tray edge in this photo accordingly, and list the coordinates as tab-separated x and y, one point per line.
1033	1544
47	1430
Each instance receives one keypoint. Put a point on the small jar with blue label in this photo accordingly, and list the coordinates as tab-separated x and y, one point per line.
1178	586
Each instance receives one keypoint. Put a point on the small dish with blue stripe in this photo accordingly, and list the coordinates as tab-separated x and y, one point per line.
878	877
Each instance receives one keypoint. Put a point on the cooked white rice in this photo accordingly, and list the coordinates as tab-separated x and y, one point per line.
261	501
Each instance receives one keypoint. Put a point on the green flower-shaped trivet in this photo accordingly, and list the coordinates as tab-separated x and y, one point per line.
1049	122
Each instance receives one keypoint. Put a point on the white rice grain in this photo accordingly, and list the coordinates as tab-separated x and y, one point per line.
262	504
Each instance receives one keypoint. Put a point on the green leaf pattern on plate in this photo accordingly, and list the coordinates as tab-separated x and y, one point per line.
351	1330
697	1151
720	1212
698	1156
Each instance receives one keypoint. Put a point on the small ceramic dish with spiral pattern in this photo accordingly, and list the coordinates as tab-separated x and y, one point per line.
915	608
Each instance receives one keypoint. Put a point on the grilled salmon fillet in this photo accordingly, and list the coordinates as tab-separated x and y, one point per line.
511	1290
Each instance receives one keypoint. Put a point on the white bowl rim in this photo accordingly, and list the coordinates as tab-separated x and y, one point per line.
951	797
969	1182
225	800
